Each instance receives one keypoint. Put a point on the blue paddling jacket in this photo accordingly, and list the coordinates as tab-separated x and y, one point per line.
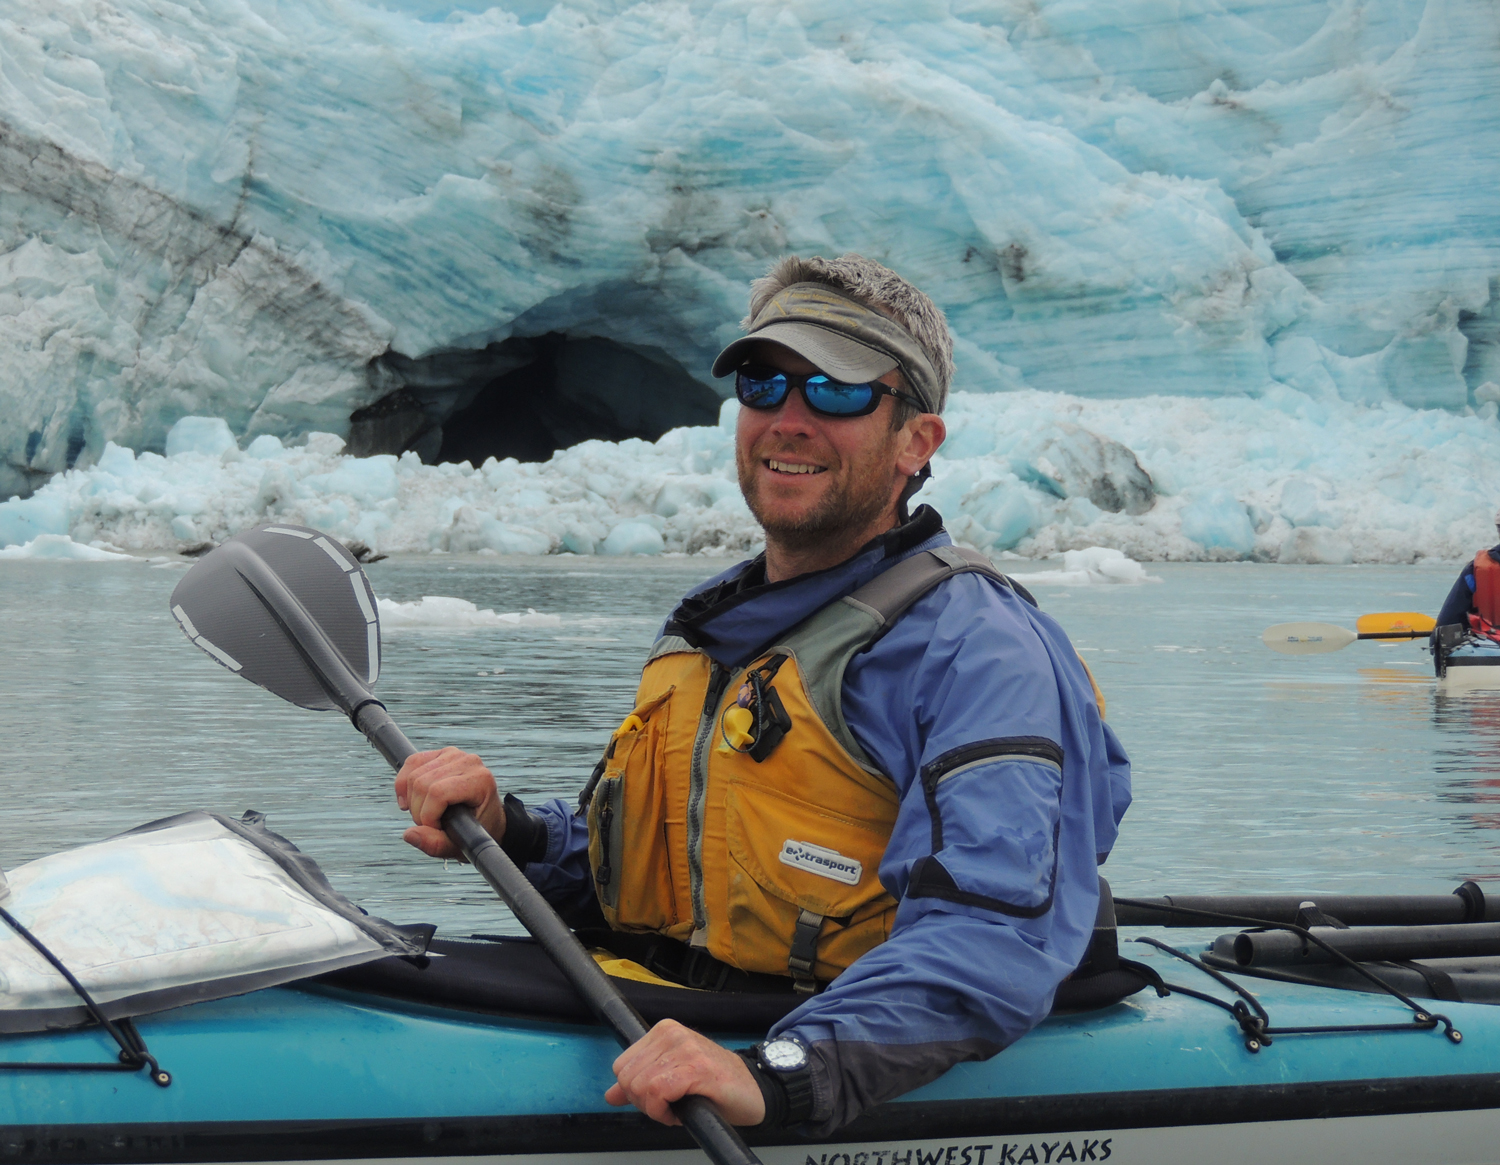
970	672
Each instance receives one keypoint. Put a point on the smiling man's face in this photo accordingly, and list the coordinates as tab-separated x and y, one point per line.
811	480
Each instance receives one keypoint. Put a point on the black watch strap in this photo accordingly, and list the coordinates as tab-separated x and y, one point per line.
799	1094
771	1091
788	1095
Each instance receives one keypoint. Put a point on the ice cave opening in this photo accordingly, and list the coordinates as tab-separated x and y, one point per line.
525	397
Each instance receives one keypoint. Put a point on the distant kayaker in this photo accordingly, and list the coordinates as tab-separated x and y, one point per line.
1474	600
861	766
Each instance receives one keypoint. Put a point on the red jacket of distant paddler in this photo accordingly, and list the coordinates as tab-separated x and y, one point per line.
1487	588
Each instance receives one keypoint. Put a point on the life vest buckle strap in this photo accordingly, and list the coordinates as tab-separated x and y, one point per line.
804	953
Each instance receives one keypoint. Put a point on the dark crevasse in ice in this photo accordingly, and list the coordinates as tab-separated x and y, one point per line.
525	397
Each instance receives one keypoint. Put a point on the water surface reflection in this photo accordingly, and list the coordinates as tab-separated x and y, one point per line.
1253	770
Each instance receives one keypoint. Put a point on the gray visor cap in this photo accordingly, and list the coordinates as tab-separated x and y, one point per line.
843	337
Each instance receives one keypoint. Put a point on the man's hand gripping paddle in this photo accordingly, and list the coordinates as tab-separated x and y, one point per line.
1317	638
290	609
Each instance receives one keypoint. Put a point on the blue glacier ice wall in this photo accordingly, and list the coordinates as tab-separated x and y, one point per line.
275	214
230	207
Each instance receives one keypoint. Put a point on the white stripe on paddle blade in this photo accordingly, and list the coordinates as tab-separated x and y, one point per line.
1307	638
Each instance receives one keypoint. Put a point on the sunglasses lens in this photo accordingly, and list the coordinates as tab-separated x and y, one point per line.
838	399
760	388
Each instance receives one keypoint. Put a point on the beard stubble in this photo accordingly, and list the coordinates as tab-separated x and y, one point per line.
859	495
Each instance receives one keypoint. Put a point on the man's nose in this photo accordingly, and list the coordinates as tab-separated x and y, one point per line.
794	416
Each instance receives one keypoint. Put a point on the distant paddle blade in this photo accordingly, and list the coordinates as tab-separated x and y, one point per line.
1307	638
220	610
1394	623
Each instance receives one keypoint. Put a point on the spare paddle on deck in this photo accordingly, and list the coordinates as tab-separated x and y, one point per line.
290	609
1317	638
1467	904
1364	944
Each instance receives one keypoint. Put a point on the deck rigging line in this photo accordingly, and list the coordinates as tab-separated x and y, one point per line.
134	1054
1253	1019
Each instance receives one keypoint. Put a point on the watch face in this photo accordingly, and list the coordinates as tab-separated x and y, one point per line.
784	1055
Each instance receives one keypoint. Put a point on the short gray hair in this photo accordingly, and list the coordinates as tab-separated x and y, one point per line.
874	286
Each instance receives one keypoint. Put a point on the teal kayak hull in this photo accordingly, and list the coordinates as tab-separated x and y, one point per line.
321	1073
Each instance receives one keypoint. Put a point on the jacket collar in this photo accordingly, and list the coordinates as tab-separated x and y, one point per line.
735	616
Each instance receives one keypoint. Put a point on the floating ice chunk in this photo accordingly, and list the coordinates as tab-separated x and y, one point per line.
324	444
61	547
634	538
1302	503
579	541
729	415
366	479
21	520
207	435
1217	520
445	613
507	539
1232	478
471	528
1068	461
984	506
1092	566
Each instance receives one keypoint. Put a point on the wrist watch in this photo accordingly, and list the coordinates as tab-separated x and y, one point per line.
785	1060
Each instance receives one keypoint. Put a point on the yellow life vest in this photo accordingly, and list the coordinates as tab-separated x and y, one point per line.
757	834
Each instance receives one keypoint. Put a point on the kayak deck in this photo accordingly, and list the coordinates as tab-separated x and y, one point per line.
295	1068
1473	665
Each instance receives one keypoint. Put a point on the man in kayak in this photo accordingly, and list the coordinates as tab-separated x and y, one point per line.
1474	601
862	765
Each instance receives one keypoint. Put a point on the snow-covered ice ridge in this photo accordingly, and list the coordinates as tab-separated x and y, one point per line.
1282	477
229	207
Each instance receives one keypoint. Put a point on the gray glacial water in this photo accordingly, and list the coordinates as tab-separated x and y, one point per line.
1252	770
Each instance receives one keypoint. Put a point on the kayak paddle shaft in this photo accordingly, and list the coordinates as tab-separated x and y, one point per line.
278	616
533	911
1467	904
1281	948
713	1133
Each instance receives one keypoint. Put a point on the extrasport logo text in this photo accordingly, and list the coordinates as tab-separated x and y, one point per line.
826	863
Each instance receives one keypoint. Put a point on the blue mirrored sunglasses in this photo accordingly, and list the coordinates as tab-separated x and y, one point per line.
767	388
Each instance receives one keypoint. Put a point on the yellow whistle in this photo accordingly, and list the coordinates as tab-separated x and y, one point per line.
737	724
632	723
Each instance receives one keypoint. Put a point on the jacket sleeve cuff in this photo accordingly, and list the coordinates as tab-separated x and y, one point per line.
525	833
771	1091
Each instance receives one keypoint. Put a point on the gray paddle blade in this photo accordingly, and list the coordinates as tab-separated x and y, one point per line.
222	609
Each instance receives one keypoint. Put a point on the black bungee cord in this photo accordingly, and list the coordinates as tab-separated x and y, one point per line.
1253	1019
133	1052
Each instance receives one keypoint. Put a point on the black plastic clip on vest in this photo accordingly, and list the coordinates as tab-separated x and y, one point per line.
772	722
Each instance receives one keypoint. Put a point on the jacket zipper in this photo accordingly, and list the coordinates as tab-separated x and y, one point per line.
718	680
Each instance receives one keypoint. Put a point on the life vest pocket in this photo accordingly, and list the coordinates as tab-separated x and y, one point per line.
789	859
627	825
